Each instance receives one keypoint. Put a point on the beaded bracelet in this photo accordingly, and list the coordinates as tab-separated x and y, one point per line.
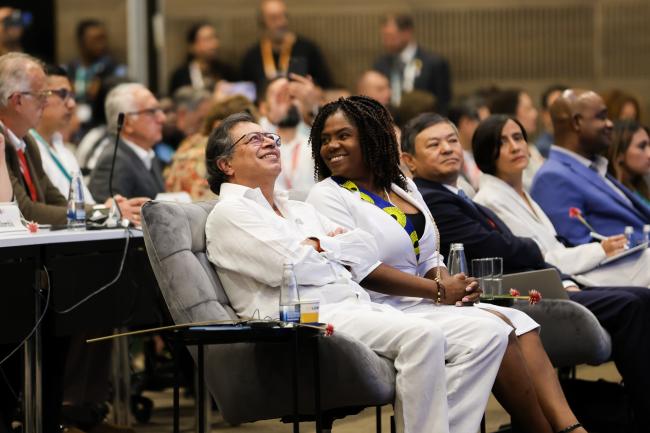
441	291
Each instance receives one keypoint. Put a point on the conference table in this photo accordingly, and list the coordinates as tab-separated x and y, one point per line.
49	277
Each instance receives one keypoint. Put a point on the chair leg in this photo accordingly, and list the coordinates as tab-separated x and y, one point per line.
378	418
392	424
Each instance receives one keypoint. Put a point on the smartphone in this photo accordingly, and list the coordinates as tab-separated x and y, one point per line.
245	88
298	66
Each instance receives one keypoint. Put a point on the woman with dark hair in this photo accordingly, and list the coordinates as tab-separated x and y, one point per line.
356	159
203	69
629	157
518	104
499	145
622	106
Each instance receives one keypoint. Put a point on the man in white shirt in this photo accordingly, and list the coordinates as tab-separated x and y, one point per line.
138	171
254	230
59	163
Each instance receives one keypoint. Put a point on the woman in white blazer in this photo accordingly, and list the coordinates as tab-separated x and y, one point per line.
356	158
500	148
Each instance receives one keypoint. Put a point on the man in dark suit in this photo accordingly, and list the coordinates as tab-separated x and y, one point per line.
409	66
137	170
576	167
432	150
281	51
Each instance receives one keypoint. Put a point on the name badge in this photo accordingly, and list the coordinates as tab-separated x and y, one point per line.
10	220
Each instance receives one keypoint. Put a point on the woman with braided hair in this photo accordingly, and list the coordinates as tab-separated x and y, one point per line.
356	160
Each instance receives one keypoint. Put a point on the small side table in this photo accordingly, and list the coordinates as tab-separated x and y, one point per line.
201	336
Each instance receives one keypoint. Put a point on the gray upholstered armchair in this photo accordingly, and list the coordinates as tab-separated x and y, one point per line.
251	381
570	333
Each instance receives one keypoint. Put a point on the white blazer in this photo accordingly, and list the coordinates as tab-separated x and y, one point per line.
581	261
394	245
349	211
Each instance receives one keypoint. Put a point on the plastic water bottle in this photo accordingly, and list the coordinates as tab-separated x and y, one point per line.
457	262
289	297
646	233
76	206
629	231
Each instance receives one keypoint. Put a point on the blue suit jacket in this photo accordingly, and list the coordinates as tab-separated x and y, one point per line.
479	229
564	182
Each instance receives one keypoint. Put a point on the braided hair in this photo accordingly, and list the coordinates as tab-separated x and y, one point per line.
376	137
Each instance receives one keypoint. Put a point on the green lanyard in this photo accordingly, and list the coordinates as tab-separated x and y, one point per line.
56	160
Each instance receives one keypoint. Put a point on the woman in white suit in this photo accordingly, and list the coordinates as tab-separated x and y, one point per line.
357	160
500	149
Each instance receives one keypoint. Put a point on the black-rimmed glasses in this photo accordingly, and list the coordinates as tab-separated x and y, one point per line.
64	94
256	139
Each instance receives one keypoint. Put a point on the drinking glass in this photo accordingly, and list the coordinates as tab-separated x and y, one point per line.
497	276
482	271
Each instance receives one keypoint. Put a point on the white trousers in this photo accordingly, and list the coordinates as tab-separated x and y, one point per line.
628	271
445	363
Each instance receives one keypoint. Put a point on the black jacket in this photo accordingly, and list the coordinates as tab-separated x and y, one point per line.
479	229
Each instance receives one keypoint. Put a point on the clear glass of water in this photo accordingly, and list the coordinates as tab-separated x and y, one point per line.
482	271
496	281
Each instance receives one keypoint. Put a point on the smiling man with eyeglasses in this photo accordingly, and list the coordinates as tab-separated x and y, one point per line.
23	97
59	163
138	172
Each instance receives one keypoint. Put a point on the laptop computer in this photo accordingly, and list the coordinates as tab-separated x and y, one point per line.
546	281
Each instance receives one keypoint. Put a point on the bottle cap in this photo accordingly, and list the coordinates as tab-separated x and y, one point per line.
457	247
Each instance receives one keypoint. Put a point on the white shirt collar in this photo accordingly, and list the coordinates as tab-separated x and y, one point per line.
599	162
17	143
451	188
145	155
408	53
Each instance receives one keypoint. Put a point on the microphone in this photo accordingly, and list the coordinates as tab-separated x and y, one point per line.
113	219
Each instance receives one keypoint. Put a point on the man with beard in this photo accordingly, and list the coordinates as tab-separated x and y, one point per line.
281	115
281	51
577	170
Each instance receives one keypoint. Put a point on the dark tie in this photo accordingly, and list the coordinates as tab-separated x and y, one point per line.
465	197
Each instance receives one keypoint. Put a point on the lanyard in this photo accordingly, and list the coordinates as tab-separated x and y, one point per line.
387	207
270	69
56	160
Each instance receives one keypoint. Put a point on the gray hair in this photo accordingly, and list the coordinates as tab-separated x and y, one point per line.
13	74
189	97
121	99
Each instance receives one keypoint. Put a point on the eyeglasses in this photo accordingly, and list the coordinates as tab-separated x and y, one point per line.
256	139
64	94
148	111
39	96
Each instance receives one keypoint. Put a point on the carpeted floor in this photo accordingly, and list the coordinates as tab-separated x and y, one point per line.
161	420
